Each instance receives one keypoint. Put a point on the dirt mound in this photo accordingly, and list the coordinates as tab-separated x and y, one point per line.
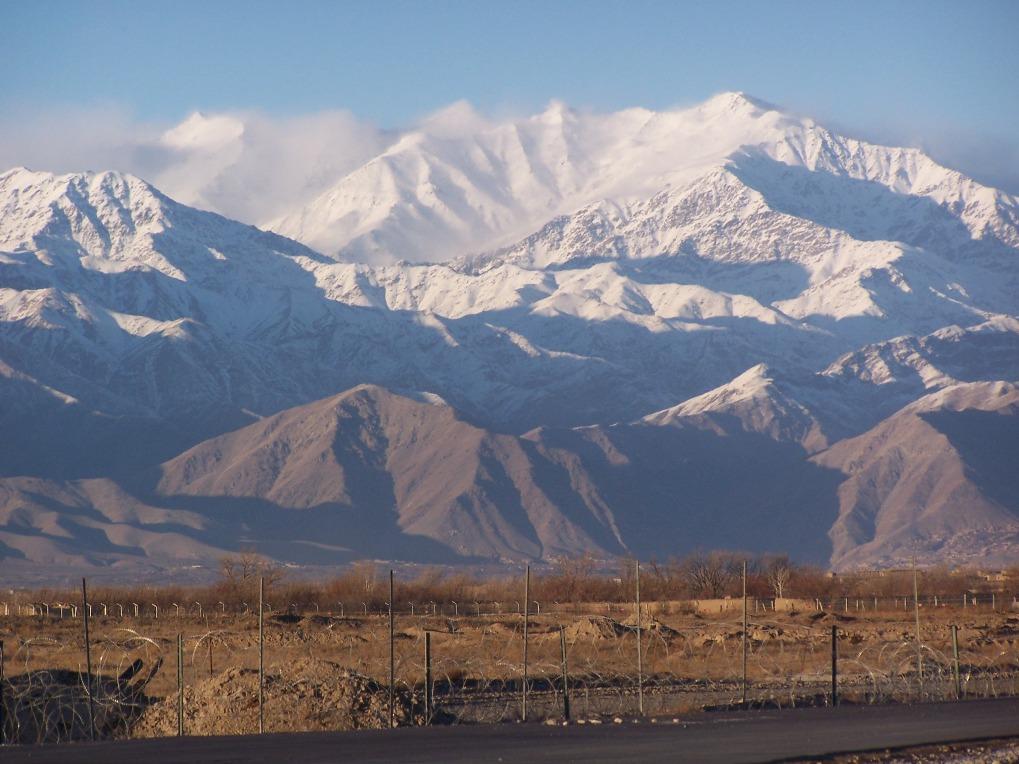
595	627
305	695
650	626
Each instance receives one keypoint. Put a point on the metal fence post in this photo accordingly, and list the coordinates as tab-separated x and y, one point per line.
88	663
428	677
392	657
834	666
916	613
180	686
523	689
640	652
744	674
566	674
3	692
261	655
955	661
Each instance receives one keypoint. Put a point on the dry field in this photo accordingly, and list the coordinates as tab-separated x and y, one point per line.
326	671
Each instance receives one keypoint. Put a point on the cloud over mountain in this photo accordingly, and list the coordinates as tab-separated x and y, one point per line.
245	165
261	169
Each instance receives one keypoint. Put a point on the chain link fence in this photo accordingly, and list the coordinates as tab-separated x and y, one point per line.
456	664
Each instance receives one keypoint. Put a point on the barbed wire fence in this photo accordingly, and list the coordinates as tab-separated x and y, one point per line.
205	670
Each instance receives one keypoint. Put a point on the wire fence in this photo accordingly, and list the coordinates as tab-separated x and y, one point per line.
196	671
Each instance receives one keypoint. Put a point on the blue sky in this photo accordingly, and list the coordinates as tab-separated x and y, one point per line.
942	74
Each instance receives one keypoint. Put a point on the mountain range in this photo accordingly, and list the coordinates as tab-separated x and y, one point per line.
640	333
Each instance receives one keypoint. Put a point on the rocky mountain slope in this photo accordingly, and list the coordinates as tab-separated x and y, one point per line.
668	310
371	473
937	480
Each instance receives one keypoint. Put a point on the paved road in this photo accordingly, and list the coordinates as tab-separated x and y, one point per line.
730	737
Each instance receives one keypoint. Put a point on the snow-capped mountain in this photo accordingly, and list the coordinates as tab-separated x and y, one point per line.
726	274
434	193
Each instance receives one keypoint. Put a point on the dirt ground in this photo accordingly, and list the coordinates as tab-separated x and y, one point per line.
324	671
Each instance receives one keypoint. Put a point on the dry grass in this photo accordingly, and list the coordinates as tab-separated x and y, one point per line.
689	660
580	582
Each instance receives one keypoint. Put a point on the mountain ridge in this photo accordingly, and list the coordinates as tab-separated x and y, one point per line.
677	290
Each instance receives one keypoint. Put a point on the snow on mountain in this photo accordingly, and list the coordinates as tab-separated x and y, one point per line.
758	281
952	354
110	222
826	228
433	195
859	389
134	305
809	264
757	403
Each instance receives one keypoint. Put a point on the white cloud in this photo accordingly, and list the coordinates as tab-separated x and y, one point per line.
255	168
244	165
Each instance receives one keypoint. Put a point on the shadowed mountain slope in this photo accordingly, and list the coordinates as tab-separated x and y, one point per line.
373	474
936	480
369	473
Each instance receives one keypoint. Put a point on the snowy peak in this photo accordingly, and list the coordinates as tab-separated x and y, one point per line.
462	183
998	396
754	402
486	182
97	210
28	194
736	103
110	222
755	383
458	119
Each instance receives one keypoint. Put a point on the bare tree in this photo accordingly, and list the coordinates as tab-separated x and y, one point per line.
778	571
711	575
239	573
